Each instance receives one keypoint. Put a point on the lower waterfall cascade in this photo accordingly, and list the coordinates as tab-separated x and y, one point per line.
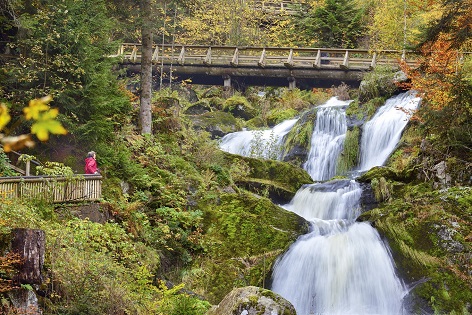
341	267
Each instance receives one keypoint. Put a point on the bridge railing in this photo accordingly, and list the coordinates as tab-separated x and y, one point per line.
52	188
278	7
321	58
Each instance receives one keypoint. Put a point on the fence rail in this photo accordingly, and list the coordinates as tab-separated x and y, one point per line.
53	188
267	57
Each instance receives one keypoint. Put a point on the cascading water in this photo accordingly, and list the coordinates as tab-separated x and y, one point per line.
259	143
382	133
341	267
327	140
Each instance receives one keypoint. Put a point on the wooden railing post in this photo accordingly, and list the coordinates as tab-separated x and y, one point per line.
234	62
261	62
345	64
28	168
181	59
317	63
289	62
155	54
207	60
134	54
373	63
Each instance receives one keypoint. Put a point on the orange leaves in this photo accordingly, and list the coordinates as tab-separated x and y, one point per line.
434	79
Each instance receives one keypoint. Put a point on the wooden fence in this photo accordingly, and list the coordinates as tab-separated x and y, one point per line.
52	188
267	57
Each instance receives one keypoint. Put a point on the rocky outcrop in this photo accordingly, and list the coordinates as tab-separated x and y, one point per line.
253	301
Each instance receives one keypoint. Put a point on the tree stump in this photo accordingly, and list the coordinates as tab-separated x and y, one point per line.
30	245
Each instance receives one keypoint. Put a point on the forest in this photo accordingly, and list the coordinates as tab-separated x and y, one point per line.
181	223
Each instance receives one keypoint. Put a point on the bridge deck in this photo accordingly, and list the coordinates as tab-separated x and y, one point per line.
264	64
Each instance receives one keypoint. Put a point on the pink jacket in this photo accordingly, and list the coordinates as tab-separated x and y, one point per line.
91	166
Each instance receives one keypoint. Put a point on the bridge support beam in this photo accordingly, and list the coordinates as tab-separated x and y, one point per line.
292	82
227	82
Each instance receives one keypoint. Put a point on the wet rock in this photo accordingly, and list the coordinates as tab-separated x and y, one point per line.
253	301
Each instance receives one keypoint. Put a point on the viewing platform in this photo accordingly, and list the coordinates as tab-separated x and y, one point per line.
52	188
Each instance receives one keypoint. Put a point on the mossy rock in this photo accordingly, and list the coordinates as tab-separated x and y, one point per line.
378	172
198	108
277	115
216	123
278	173
429	233
298	140
253	301
274	191
240	107
244	235
349	157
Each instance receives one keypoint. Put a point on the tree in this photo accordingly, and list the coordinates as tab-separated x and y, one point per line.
398	24
61	50
336	24
145	112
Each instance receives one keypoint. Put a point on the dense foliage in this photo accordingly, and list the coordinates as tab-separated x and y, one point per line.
176	206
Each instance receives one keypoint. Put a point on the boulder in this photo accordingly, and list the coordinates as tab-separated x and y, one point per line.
251	301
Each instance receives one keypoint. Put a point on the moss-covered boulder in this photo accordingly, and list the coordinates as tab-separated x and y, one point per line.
430	234
378	172
279	179
253	301
217	123
244	234
298	141
240	107
198	108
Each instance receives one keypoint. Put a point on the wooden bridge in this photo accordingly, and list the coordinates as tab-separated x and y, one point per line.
235	66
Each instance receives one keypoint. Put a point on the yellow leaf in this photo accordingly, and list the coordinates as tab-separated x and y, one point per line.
34	108
4	116
42	128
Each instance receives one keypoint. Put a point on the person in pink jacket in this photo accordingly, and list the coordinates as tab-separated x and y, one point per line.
91	163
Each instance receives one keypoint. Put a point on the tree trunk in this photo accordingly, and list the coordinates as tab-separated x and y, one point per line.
30	245
145	112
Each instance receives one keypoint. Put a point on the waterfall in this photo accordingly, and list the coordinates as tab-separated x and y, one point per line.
341	267
257	143
327	140
382	133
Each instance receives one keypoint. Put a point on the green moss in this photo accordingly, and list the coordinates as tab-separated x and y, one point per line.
429	234
349	157
301	132
244	234
278	115
282	174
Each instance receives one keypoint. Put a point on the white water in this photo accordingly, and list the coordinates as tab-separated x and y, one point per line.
341	267
327	140
258	143
382	133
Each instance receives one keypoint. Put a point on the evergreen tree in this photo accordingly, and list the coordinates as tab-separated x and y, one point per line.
336	24
61	50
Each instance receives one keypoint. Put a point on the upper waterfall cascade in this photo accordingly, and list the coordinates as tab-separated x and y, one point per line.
327	140
382	133
341	267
